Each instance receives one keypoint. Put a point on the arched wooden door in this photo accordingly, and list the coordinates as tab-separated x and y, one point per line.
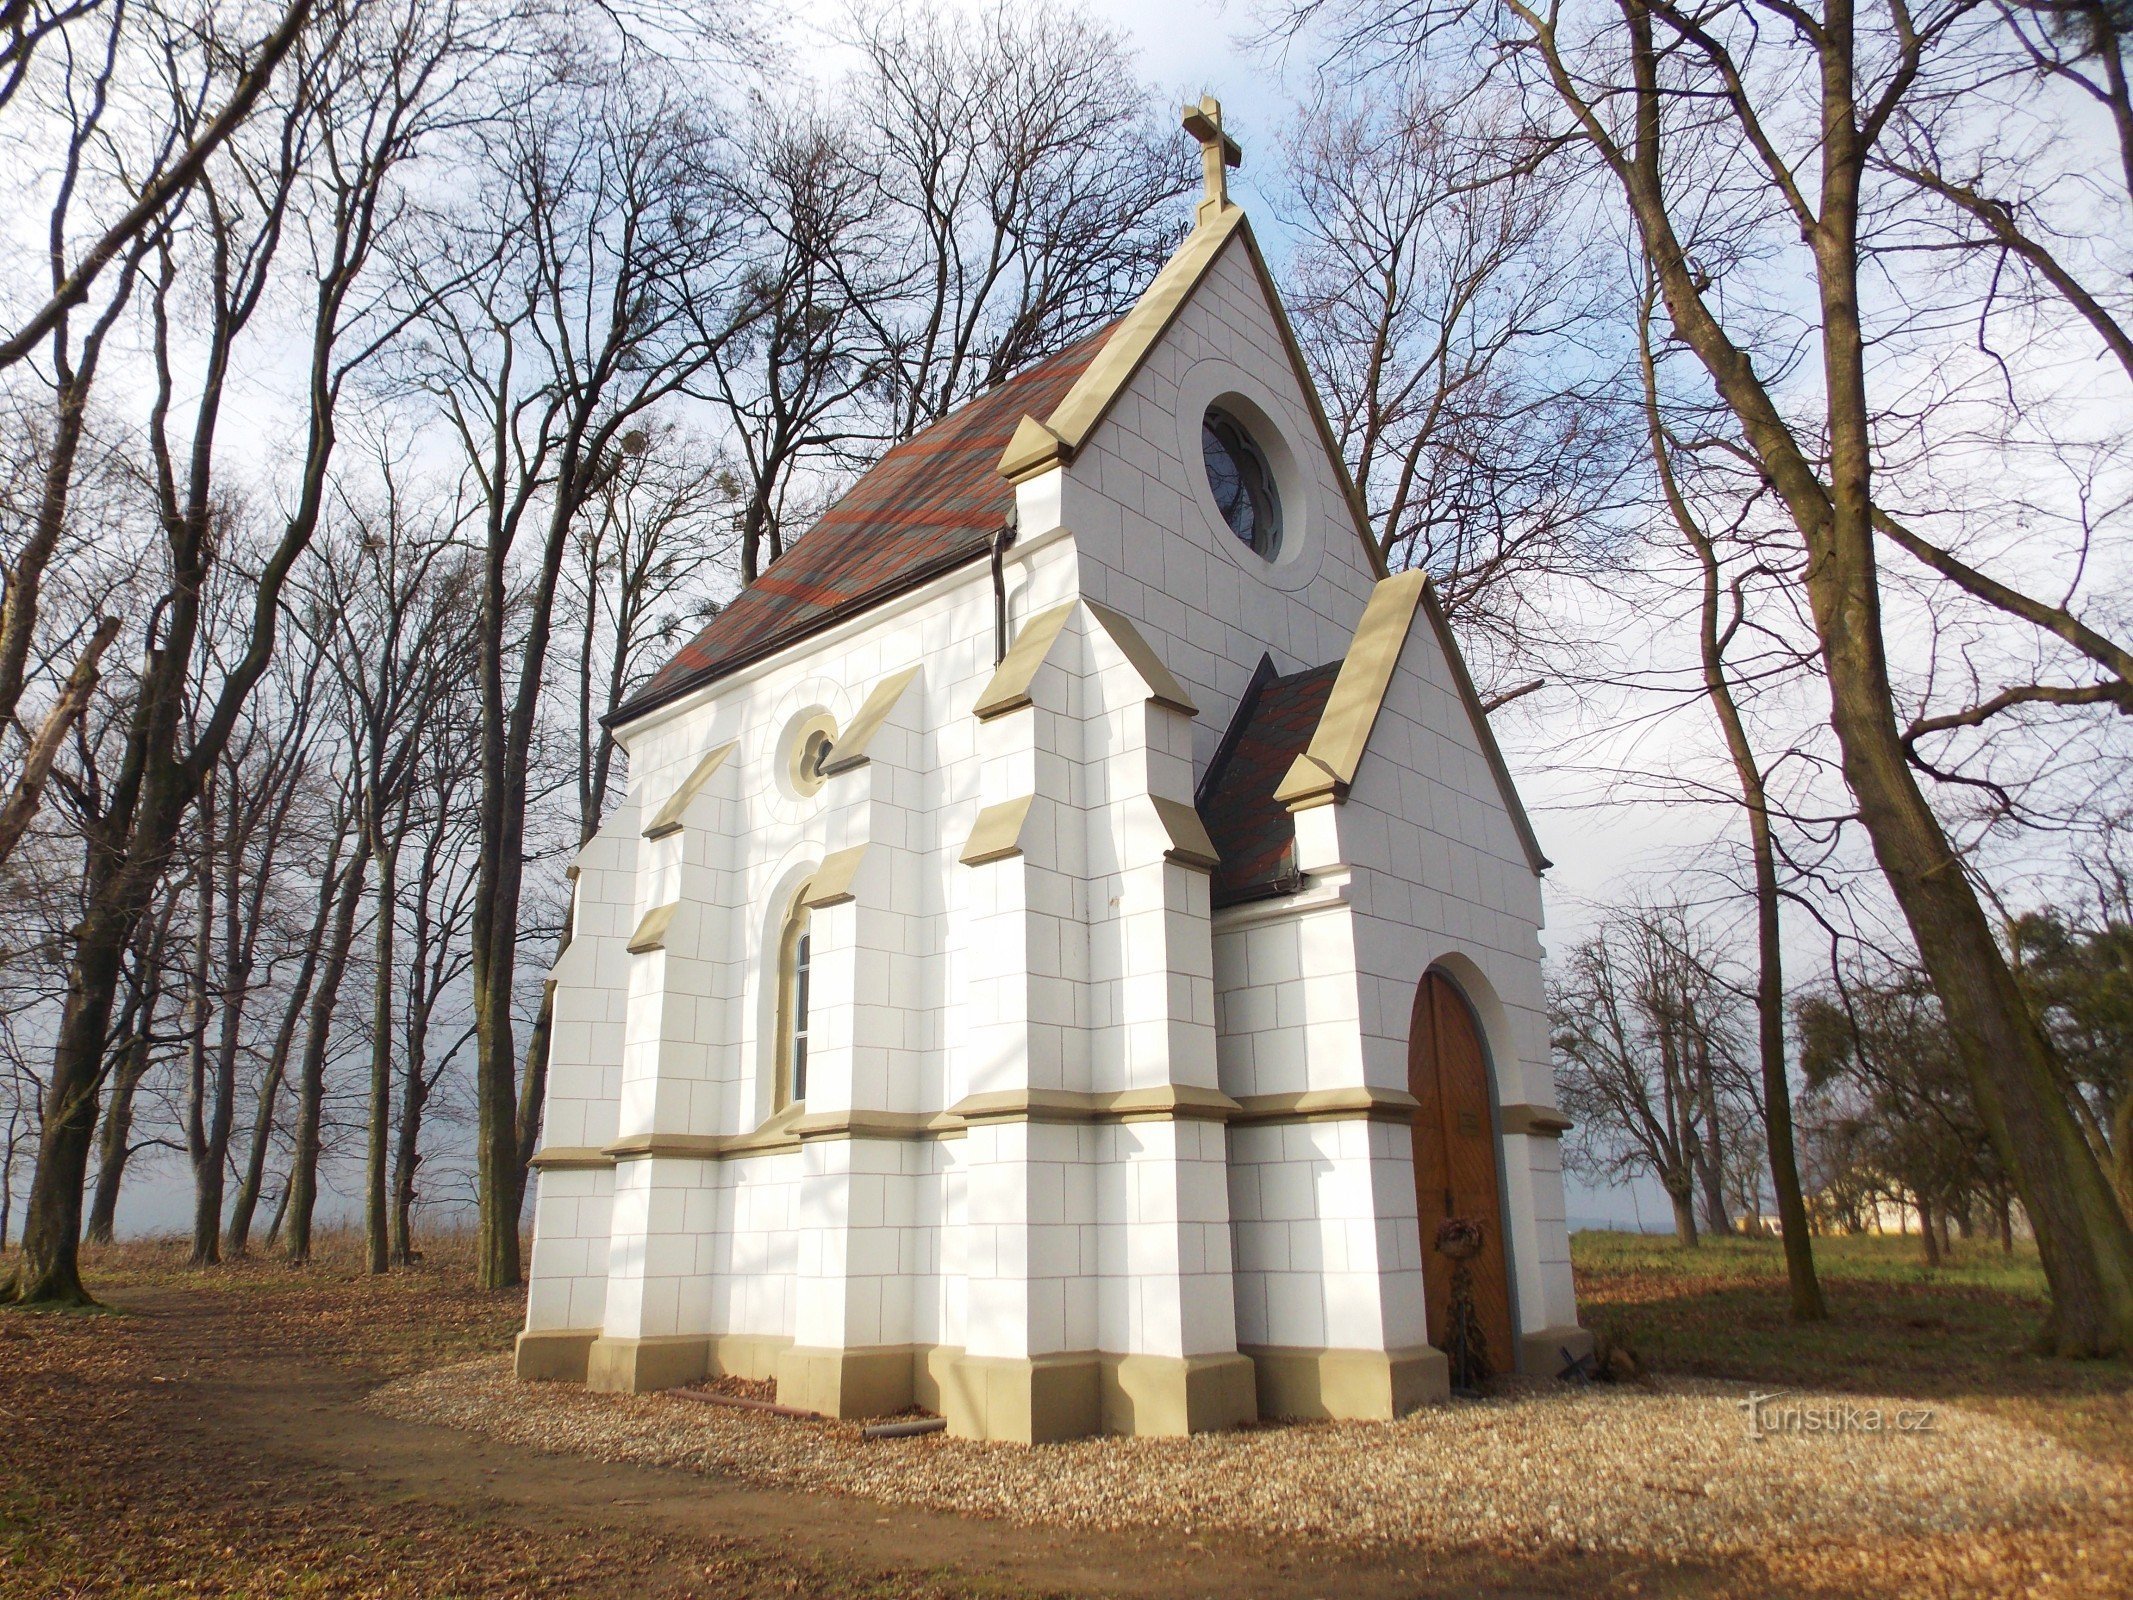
1455	1160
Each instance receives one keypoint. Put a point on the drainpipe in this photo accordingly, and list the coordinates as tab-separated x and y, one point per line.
1000	541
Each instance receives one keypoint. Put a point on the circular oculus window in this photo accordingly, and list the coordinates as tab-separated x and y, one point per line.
1242	482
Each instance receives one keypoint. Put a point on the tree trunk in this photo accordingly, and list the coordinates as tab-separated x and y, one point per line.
407	1155
114	1139
2122	1149
302	1196
281	1215
1711	1161
1808	1304
1928	1234
1683	1197
375	1224
239	930
255	1163
7	1175
50	1270
196	1111
2082	1234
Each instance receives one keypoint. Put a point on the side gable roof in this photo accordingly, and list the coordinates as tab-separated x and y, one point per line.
1253	832
929	505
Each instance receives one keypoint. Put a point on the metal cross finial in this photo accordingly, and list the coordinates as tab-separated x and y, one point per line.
1217	152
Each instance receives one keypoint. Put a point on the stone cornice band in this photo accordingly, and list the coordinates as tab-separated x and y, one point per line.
1185	1102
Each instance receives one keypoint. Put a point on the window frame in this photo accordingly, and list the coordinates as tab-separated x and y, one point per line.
1250	459
795	980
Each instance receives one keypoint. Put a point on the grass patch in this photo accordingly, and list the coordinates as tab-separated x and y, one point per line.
1961	1332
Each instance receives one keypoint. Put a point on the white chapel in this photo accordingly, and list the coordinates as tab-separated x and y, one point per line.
1070	941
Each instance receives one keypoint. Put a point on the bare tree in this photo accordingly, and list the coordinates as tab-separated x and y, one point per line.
1645	1053
1721	619
395	591
318	177
795	380
300	1197
1796	106
178	150
588	280
134	1042
329	827
440	908
1024	181
1453	313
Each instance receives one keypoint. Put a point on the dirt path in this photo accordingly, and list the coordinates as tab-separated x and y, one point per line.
240	1432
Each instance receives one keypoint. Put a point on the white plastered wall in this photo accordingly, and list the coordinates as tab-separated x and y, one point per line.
1439	878
1154	547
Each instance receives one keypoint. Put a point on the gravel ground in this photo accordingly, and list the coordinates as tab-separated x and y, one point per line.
1668	1473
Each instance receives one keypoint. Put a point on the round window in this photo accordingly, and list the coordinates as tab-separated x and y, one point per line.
1242	482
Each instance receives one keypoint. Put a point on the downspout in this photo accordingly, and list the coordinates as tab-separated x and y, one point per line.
1000	541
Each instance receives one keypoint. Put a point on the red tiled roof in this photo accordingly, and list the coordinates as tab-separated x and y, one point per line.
1251	830
930	504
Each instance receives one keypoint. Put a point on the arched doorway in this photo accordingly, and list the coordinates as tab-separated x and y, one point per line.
1455	1160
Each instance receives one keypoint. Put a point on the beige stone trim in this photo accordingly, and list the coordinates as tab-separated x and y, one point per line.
868	1125
670	1147
1329	1105
1026	1400
1162	1103
1086	404
639	1366
1541	1121
1009	687
787	1130
572	1158
1546	1352
553	1355
1163	689
651	932
1170	1396
1189	844
997	834
850	750
872	1382
668	817
804	779
832	883
1352	1385
753	1356
1034	449
774	1134
1328	765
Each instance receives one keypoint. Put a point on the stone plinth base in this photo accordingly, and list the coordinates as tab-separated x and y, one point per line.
553	1355
638	1366
1547	1351
848	1383
1174	1395
1028	1400
1350	1385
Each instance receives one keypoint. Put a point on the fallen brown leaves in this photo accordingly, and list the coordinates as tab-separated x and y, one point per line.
115	1479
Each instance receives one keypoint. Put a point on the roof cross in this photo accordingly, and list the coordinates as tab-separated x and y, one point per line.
1217	151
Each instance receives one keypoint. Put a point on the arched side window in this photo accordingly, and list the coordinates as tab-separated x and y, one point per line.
793	962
